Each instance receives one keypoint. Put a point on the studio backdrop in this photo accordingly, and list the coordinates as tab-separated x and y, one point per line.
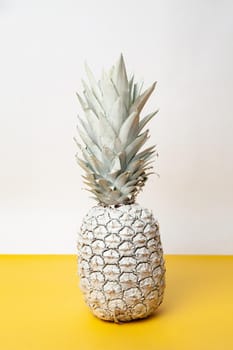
186	46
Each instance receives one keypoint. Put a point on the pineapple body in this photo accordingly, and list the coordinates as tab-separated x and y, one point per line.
120	262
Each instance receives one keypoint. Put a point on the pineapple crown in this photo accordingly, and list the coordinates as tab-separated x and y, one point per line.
112	135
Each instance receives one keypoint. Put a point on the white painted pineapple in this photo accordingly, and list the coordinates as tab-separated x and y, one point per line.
121	265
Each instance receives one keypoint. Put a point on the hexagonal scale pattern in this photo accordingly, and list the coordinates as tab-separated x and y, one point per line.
120	262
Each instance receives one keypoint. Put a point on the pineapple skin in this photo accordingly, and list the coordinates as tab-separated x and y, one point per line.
120	262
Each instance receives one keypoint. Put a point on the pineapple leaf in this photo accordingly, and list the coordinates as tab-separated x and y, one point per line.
142	99
93	83
104	184
137	87
109	93
92	147
120	80
82	102
131	88
111	135
119	76
91	100
105	132
129	129
146	119
83	164
134	147
145	153
87	129
121	179
117	114
116	164
135	165
93	125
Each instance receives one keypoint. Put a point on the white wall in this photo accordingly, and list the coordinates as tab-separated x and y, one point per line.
187	46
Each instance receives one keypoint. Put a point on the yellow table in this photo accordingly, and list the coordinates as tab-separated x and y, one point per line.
41	307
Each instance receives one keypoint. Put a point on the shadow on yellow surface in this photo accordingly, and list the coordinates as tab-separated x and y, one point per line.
41	307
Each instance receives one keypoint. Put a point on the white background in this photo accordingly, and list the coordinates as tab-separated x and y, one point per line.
187	46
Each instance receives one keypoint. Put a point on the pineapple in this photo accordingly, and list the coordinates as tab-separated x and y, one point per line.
121	265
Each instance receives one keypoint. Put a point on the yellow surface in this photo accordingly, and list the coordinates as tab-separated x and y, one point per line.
41	308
